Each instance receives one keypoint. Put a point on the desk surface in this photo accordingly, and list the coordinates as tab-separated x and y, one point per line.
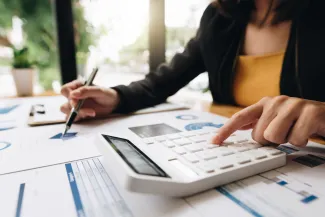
223	110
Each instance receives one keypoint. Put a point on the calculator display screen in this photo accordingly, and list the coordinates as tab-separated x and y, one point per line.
134	157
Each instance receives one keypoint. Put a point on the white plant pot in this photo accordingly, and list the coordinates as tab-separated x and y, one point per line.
24	81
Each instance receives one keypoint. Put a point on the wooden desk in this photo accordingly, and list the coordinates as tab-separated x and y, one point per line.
228	111
223	110
46	93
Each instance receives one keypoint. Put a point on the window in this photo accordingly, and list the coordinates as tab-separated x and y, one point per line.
182	19
20	26
115	36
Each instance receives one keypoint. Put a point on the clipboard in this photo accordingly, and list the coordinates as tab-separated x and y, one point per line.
45	114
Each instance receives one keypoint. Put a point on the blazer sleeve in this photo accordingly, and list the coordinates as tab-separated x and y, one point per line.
157	86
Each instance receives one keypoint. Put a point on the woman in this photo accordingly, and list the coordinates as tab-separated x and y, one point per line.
251	49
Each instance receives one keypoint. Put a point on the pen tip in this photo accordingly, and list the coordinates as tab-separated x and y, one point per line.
64	132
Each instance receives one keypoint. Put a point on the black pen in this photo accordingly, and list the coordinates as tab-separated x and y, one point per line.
74	111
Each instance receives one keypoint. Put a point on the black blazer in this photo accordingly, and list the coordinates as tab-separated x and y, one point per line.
215	49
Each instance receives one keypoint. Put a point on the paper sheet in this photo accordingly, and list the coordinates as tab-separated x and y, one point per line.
17	110
296	189
162	108
33	147
20	114
52	112
77	189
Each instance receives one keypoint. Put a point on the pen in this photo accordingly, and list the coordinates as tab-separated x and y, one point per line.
74	111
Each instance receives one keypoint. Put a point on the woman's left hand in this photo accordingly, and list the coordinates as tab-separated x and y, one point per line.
278	120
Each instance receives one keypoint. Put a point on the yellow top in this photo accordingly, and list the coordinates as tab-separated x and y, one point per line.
257	77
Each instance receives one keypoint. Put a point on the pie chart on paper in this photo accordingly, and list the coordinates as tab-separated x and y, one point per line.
200	126
4	145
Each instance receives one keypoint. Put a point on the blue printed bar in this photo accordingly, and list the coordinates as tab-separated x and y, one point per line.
282	183
20	199
309	199
228	194
75	191
6	110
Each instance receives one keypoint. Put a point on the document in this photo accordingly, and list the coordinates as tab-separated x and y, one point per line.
294	190
80	189
8	108
47	112
163	107
18	110
28	148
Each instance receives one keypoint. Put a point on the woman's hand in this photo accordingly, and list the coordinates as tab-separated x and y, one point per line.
278	120
100	102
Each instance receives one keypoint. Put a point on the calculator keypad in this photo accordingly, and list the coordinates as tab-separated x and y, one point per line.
195	148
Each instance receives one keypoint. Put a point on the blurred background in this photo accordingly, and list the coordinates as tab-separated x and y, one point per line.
113	33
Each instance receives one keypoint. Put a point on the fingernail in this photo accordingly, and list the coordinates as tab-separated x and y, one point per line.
216	139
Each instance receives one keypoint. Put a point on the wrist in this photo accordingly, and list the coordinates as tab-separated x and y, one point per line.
116	99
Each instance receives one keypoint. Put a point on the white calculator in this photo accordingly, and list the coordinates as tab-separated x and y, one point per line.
182	164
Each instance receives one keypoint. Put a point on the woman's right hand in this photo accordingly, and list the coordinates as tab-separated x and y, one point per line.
99	102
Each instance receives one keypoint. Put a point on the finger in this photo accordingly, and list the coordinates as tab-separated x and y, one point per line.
249	126
65	108
81	115
78	118
67	88
73	103
240	119
302	130
261	125
87	112
86	92
279	128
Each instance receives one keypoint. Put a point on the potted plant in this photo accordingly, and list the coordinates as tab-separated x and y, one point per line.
23	72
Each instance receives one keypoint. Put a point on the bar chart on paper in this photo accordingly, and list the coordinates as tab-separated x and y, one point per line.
42	147
80	189
263	195
93	191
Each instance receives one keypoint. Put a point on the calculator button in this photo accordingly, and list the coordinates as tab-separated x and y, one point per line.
191	158
182	141
194	148
241	159
212	129
242	140
230	141
148	141
173	136
187	134
211	146
204	132
256	154
207	168
179	150
252	145
222	164
270	150
198	139
160	138
168	144
172	158
207	155
223	151
240	148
